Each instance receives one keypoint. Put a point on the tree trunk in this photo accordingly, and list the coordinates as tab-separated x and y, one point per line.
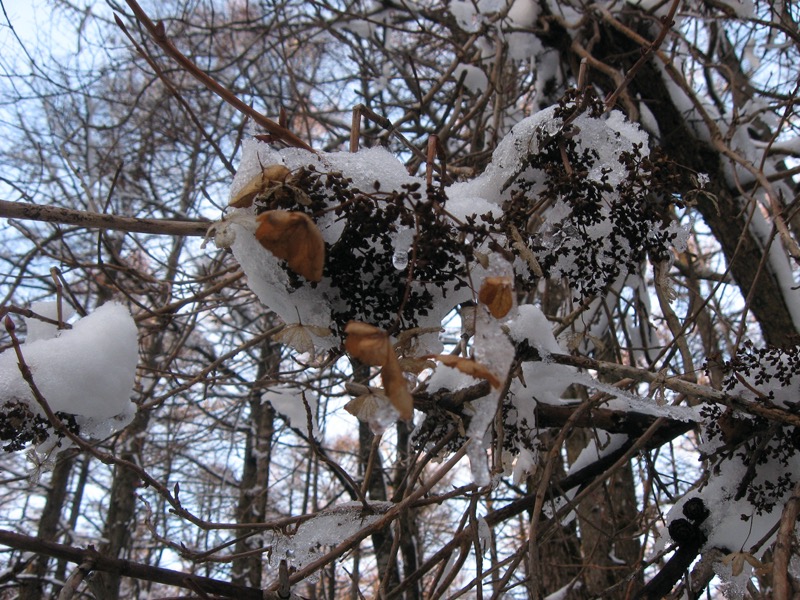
32	588
254	488
382	541
121	517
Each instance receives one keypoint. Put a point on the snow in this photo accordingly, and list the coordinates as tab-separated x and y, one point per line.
548	379
475	79
327	528
601	445
88	371
465	15
40	330
779	265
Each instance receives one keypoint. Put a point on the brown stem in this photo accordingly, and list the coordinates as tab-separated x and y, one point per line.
94	220
159	35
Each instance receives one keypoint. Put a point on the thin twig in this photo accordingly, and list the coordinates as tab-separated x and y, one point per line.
159	35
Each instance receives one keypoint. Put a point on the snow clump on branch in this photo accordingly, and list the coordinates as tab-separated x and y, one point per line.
86	374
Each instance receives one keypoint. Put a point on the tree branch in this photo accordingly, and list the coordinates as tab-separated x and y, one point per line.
101	562
93	220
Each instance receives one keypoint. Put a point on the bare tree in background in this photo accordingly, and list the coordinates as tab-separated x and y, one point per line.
645	448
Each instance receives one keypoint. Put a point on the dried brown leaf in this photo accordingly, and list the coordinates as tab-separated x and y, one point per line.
271	175
295	238
371	346
367	343
468	366
415	365
497	294
396	388
366	406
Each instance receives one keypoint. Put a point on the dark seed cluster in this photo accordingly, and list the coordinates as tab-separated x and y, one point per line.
755	441
636	209
20	427
360	264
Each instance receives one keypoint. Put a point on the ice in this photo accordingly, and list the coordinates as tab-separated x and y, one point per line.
88	371
495	351
288	402
328	528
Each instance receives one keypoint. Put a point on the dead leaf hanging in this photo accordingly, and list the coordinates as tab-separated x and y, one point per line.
293	237
371	346
271	175
397	388
468	367
298	336
367	343
497	294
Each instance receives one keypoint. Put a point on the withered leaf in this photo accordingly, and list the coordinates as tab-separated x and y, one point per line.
497	294
298	336
366	406
367	343
396	388
415	365
295	238
271	175
468	367
371	346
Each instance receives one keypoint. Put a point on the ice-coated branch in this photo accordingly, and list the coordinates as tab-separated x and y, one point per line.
680	386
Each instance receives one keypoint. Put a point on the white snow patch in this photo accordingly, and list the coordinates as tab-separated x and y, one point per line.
88	371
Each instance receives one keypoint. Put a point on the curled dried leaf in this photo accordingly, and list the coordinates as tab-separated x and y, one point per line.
371	346
367	343
295	238
396	388
468	366
271	175
497	294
